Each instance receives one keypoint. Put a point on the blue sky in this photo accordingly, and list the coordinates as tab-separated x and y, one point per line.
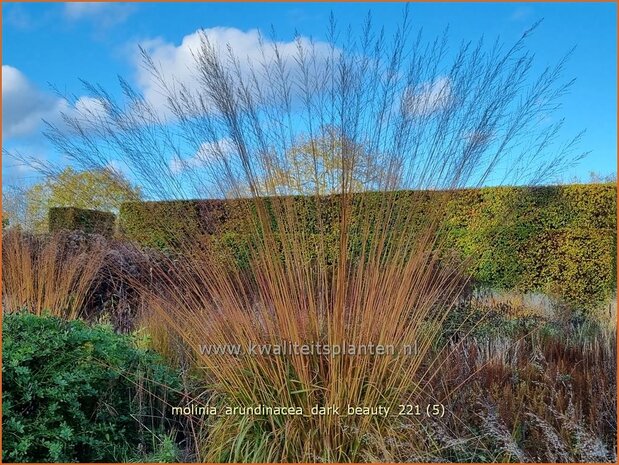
55	44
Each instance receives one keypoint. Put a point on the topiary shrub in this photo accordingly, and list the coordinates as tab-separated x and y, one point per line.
88	221
75	393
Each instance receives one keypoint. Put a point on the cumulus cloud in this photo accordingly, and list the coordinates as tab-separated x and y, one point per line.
429	97
178	62
24	106
89	111
90	106
207	153
106	14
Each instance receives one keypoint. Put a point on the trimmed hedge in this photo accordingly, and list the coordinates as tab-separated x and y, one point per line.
163	225
88	221
560	240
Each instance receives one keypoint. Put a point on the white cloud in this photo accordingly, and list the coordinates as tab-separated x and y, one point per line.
120	168
207	153
24	106
90	106
429	97
83	9
106	14
178	62
89	111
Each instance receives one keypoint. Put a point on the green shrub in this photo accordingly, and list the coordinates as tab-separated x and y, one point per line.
574	264
505	231
559	240
71	392
88	221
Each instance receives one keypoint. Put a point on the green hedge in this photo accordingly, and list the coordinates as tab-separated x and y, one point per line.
560	240
75	393
89	221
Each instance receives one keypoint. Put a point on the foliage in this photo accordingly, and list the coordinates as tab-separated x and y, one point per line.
160	224
576	264
88	221
71	392
557	239
14	211
100	189
433	121
314	166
